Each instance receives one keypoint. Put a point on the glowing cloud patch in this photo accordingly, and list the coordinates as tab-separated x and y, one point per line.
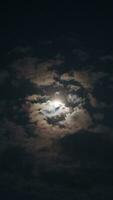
54	108
57	103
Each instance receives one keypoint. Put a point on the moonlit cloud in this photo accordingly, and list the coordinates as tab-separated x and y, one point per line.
74	88
56	122
86	78
62	120
40	73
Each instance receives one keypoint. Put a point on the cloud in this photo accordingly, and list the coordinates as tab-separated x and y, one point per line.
40	73
36	98
68	146
66	76
78	119
75	100
65	120
74	88
19	52
101	128
86	78
106	58
98	116
12	132
93	100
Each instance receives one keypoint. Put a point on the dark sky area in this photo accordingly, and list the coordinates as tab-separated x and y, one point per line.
27	21
56	100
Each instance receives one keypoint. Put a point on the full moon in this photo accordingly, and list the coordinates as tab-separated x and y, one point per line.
57	103
54	108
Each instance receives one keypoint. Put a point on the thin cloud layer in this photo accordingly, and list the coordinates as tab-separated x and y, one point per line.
56	126
47	82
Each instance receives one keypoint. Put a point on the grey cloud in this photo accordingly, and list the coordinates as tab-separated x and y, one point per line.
106	58
86	78
40	73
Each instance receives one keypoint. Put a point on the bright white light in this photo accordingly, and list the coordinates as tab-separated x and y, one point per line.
54	108
57	103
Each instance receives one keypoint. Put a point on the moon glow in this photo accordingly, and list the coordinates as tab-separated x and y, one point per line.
54	108
57	103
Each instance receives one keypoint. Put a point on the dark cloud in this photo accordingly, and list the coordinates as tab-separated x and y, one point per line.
106	58
50	149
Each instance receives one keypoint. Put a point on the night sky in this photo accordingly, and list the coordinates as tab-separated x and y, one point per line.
56	100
